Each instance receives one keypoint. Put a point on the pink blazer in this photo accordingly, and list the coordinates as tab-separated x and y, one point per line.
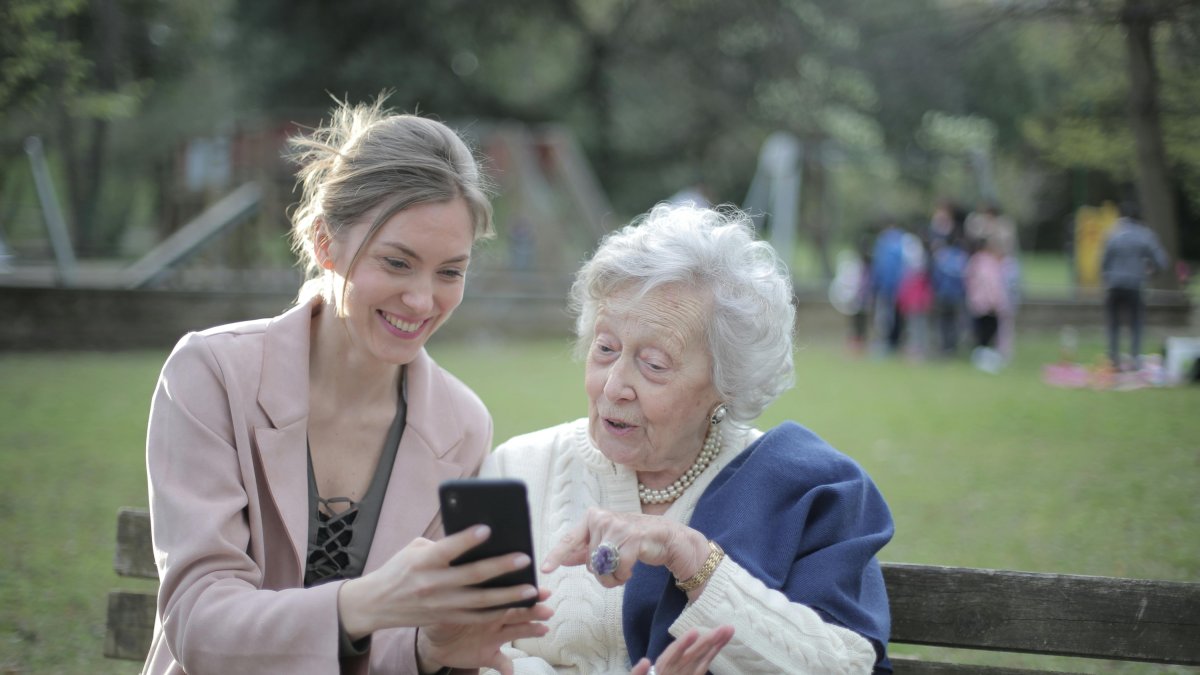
228	475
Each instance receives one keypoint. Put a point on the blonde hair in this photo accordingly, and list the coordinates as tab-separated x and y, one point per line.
367	159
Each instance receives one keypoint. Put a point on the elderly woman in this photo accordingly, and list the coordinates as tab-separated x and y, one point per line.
663	513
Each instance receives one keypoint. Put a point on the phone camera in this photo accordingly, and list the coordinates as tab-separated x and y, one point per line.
452	500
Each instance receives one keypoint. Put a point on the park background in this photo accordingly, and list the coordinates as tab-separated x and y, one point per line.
160	125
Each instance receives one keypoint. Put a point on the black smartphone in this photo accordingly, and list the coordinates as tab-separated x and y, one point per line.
502	505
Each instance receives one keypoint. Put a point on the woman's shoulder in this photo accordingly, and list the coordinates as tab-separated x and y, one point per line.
547	440
219	343
242	337
795	450
248	357
537	447
791	470
538	456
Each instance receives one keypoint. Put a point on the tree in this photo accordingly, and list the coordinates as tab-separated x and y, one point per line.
1136	23
651	88
1139	18
72	70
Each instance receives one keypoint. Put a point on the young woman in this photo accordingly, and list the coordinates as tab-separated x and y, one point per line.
294	462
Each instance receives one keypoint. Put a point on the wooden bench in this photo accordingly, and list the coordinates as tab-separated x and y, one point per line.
994	610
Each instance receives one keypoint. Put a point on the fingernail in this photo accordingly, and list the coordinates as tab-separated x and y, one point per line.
529	592
521	560
482	532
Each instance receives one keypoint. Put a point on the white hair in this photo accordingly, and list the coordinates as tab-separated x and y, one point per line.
713	252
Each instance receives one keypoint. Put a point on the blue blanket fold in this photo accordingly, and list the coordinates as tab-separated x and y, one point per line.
800	516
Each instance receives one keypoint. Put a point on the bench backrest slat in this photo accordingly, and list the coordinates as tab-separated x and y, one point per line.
134	556
130	625
1069	615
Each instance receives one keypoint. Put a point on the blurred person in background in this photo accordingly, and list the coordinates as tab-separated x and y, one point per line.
944	223
999	232
914	298
294	462
668	518
887	271
850	291
1132	254
860	317
987	301
949	291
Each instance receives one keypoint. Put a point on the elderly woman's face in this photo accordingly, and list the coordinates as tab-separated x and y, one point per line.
649	380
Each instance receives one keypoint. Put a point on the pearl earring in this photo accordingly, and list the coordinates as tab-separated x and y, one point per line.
718	414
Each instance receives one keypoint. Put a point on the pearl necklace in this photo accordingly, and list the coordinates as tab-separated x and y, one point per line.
712	446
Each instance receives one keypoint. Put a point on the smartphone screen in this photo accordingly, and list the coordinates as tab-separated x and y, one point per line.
502	505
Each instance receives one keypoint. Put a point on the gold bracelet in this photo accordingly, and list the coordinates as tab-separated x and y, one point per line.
715	556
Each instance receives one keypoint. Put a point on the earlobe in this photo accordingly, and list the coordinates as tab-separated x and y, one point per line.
321	242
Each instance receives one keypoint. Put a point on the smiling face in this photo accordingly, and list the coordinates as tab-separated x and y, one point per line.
649	381
407	280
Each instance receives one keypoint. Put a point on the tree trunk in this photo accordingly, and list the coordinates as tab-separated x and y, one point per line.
89	241
596	85
1153	174
107	24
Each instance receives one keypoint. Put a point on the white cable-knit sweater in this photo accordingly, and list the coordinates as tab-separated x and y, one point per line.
566	474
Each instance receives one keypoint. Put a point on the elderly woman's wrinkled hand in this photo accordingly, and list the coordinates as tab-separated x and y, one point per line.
609	543
691	654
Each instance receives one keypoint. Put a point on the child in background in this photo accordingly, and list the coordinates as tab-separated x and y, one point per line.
949	291
988	303
914	298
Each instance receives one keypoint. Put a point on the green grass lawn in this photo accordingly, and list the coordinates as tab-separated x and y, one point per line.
983	471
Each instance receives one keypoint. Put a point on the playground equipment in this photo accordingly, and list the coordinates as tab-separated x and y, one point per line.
551	209
226	214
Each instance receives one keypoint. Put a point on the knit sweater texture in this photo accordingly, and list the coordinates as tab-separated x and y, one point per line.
565	475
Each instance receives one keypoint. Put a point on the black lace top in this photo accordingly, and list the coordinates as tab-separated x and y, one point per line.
340	530
339	539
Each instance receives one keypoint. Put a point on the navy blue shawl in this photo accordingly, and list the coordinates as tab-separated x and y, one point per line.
798	515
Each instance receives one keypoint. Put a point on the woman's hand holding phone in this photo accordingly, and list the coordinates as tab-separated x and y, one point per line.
468	593
502	505
478	645
419	587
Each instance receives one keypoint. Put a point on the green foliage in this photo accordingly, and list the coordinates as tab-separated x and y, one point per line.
73	72
661	94
956	135
33	56
1080	119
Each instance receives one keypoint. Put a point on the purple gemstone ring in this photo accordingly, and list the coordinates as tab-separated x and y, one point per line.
605	559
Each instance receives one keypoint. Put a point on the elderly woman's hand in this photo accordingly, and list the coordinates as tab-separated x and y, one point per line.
653	540
690	654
